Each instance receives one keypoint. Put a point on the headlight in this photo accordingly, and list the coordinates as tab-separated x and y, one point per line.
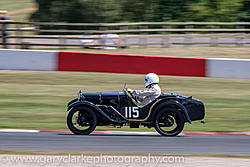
79	97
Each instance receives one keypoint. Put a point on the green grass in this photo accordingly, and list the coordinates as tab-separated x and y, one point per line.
10	152
178	51
18	8
37	100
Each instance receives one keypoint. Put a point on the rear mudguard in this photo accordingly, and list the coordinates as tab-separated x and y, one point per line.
96	108
171	103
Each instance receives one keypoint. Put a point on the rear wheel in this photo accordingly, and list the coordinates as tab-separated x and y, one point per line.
169	122
81	120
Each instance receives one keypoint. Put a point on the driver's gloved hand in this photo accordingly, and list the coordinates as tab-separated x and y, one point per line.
129	90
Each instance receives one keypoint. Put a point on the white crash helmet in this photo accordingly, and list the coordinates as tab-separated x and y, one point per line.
151	78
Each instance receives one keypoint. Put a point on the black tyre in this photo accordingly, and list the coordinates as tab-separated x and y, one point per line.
169	122
81	120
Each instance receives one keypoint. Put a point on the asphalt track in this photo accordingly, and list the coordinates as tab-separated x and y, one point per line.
115	143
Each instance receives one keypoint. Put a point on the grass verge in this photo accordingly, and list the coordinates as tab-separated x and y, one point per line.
19	10
178	51
9	152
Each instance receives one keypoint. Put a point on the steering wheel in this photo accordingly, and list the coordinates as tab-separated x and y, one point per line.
129	94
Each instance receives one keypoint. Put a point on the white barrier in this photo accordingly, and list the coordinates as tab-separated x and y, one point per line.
28	60
228	68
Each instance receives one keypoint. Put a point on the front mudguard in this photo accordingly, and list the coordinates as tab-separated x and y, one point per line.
71	102
75	103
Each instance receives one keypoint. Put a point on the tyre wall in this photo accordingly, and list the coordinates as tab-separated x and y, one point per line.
117	63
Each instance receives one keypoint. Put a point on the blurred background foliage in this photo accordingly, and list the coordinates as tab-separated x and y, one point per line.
107	11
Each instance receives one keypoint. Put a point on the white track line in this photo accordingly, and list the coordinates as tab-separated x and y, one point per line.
126	132
19	130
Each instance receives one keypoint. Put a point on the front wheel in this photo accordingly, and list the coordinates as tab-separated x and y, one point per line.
81	120
169	122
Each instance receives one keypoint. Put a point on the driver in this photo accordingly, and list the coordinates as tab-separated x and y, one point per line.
148	95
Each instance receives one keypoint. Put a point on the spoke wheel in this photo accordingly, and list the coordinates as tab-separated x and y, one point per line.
81	120
169	122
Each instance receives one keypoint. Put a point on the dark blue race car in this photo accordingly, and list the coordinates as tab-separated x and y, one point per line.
167	114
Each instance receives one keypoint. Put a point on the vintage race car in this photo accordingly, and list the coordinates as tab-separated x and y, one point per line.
167	114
